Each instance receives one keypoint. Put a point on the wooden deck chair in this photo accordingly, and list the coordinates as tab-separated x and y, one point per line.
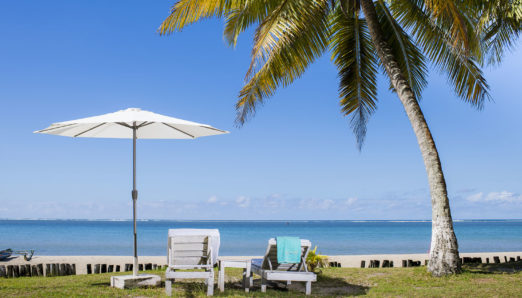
186	252
271	270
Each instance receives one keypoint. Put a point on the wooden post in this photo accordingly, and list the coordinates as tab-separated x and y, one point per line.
22	270
40	270
96	268
34	271
497	260
9	271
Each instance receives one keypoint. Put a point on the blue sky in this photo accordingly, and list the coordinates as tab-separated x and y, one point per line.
297	159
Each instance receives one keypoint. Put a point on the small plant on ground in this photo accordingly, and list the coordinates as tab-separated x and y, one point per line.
315	260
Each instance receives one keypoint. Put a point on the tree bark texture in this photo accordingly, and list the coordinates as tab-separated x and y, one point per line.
444	254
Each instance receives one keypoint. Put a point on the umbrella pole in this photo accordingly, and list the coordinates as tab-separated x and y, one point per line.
134	199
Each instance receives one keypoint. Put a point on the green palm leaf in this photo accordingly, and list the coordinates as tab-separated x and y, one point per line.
410	59
500	24
246	14
186	12
288	45
462	70
353	54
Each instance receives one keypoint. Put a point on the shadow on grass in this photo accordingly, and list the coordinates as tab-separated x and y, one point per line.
510	267
97	284
328	285
325	286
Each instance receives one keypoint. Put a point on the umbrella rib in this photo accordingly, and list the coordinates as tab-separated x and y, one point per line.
81	133
179	130
124	124
145	124
213	128
52	128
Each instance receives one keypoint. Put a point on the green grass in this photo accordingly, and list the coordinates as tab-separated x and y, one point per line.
502	280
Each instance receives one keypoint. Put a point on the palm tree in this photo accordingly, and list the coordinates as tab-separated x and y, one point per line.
364	38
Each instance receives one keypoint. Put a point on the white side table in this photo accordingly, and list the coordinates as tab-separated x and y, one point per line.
245	264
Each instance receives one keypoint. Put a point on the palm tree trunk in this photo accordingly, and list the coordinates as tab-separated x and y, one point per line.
444	254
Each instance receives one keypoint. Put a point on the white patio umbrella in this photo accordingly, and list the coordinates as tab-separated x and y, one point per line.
132	124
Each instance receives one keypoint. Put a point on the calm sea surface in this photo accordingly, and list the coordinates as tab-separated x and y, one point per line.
78	237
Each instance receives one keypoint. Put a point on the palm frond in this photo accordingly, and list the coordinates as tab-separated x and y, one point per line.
410	59
464	75
186	12
448	12
289	53
500	23
354	55
246	14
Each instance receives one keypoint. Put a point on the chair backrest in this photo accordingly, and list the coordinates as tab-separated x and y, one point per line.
189	250
270	259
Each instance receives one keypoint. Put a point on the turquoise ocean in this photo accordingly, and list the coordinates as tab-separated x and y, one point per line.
114	237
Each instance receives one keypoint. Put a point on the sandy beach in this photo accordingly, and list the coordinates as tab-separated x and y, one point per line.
353	261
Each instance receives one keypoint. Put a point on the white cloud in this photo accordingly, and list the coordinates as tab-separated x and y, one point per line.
326	204
499	197
243	201
350	201
212	199
475	197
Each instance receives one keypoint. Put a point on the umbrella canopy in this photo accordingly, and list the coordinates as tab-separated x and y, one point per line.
132	124
120	125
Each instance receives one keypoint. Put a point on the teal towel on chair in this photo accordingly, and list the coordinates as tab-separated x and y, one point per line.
288	250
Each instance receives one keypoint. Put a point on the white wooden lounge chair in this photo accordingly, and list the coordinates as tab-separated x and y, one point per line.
191	249
271	270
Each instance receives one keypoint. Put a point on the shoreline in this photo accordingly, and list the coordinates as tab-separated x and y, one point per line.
350	261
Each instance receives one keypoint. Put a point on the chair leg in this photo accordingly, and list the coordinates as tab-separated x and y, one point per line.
263	284
246	279
308	287
168	287
210	288
210	284
221	279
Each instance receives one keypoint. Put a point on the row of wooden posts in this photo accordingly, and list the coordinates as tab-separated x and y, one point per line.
56	269
10	271
104	268
411	263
